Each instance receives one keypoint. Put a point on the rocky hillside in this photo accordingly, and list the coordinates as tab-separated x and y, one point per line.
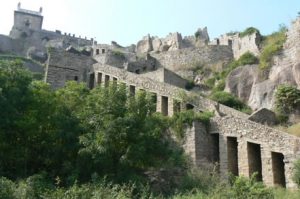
256	84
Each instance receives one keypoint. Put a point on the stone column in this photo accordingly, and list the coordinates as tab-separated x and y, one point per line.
158	103
288	170
170	106
189	145
243	158
223	156
266	166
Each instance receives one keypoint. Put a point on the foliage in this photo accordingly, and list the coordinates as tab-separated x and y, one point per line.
220	86
7	188
271	46
201	180
248	31
118	53
181	120
296	172
125	134
210	82
247	58
228	100
245	188
287	98
37	131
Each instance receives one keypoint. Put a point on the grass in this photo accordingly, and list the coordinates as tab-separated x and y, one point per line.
271	46
294	129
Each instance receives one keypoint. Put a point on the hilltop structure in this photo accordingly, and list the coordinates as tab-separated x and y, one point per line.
161	66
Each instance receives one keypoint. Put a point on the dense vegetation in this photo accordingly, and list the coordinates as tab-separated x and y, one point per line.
77	143
230	100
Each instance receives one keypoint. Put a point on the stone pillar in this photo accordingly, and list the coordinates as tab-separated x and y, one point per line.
243	158
223	156
170	106
266	166
189	145
158	104
288	170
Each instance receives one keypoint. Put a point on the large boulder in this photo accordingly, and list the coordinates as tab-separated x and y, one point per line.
263	116
262	95
241	80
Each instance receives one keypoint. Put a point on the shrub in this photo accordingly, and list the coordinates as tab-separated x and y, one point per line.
180	120
248	31
7	188
228	100
245	188
247	58
210	83
287	98
296	173
220	86
204	181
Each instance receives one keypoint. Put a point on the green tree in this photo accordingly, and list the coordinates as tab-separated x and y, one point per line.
38	130
122	131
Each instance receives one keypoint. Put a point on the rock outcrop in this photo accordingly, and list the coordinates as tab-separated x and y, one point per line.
172	42
246	84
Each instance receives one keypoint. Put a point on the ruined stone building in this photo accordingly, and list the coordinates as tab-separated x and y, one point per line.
160	66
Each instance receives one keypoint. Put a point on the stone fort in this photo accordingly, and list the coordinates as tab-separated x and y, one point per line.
234	141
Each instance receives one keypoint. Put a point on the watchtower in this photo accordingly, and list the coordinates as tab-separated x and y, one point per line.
27	19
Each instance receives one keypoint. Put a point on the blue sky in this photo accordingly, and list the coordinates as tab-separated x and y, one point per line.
127	21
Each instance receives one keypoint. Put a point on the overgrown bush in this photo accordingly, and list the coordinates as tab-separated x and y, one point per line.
210	83
228	100
248	188
287	98
201	180
180	120
247	58
248	31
